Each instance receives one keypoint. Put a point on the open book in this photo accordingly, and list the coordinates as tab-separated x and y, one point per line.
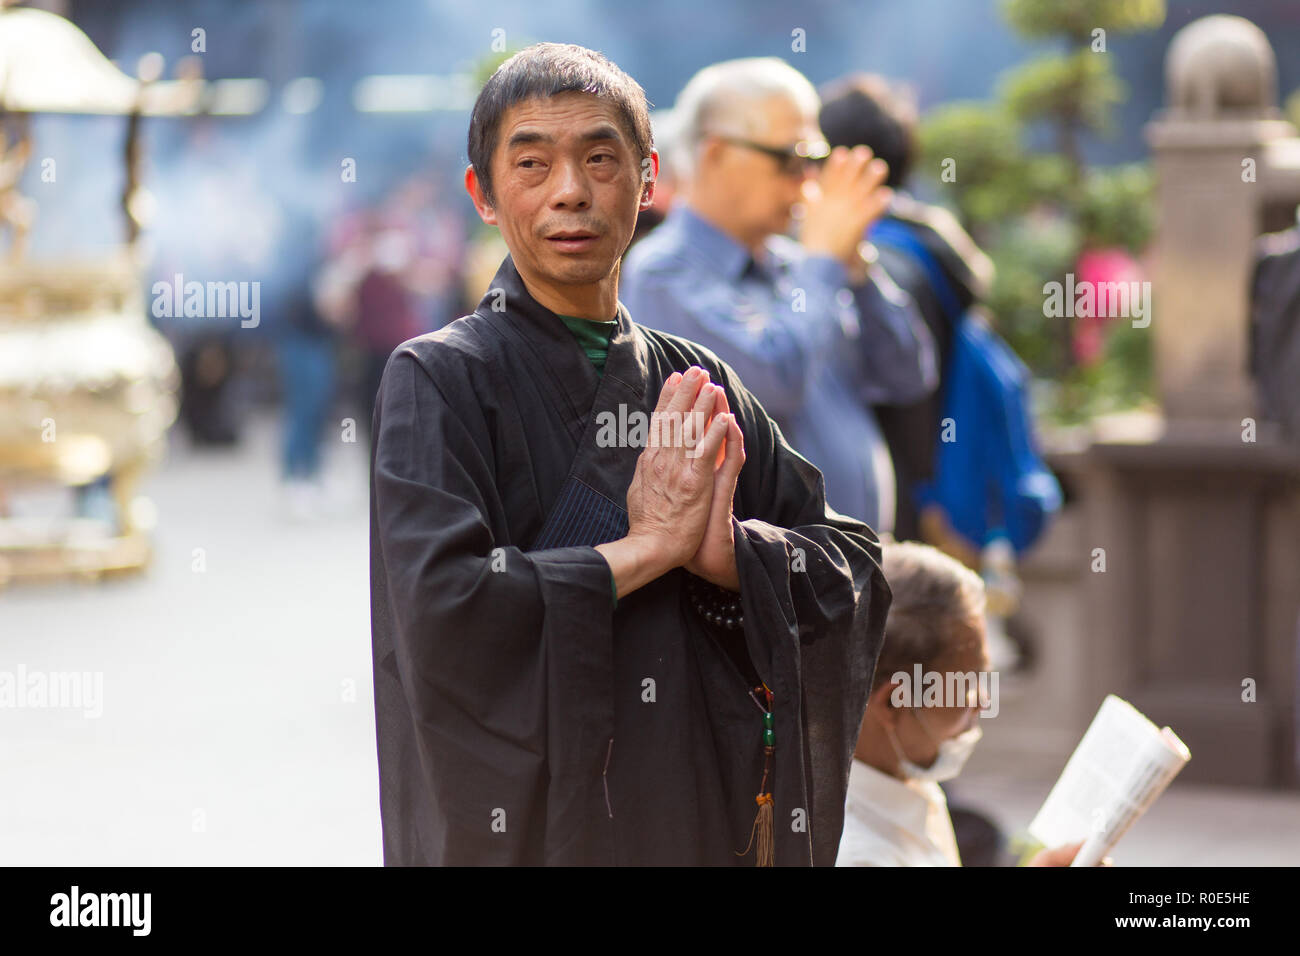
1119	768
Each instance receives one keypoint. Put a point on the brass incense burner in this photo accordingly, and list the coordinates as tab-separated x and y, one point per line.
87	386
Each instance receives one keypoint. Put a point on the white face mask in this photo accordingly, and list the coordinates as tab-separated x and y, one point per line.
953	753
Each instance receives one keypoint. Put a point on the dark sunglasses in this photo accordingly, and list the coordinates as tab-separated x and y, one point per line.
793	160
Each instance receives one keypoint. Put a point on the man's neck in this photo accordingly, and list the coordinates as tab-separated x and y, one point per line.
876	752
703	206
598	301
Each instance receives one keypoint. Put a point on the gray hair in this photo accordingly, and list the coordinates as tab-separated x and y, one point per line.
725	98
937	601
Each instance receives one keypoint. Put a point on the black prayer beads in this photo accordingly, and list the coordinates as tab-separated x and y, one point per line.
718	607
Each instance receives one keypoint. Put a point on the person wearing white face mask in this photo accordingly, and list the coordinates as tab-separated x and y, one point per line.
951	757
896	814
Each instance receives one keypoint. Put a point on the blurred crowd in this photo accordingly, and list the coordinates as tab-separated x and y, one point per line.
354	288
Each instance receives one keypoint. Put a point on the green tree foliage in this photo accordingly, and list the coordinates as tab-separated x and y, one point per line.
1036	210
1075	90
1115	207
1077	19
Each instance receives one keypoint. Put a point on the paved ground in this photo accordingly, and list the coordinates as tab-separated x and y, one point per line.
237	721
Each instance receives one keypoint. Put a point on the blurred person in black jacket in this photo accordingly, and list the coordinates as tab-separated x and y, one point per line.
1275	329
863	110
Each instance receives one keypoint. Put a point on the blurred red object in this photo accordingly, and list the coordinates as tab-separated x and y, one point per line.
1103	270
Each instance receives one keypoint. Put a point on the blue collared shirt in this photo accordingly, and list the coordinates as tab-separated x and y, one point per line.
816	353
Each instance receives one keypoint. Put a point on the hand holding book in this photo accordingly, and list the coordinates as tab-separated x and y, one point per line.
1122	764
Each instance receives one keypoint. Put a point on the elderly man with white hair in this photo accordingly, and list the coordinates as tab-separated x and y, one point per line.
816	331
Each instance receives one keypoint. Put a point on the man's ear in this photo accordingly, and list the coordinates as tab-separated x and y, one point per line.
886	703
709	151
649	176
475	189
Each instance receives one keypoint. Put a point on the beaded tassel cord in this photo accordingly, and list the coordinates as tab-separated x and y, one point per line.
761	832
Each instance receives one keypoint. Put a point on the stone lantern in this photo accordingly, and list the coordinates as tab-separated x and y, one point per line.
1228	169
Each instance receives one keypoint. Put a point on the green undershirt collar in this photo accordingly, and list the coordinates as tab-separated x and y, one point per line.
593	337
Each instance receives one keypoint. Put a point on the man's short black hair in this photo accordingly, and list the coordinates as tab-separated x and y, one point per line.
544	70
863	110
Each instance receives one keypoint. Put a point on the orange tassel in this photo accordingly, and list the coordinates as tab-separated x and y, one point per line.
766	855
761	832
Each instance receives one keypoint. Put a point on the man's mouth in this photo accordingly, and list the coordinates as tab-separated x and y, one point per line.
577	240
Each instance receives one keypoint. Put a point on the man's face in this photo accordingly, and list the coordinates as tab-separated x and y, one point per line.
921	730
762	192
567	185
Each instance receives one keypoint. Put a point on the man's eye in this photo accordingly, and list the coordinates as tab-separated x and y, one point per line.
603	157
529	164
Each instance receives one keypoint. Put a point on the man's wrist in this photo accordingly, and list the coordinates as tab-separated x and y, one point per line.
727	577
652	556
825	251
634	561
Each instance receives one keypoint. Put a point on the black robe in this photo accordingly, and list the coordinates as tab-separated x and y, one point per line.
521	718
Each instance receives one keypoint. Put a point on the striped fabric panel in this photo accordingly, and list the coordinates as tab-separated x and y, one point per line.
581	516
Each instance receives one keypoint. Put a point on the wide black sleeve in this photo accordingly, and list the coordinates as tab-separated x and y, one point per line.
815	601
492	665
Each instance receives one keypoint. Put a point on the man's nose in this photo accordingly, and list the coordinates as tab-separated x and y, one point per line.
572	190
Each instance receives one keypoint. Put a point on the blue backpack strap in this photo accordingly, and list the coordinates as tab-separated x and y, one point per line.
992	482
896	235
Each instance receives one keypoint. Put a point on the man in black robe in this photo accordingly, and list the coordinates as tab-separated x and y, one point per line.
576	623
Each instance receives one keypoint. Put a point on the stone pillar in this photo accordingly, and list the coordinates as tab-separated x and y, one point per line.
1211	148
